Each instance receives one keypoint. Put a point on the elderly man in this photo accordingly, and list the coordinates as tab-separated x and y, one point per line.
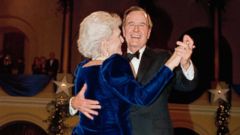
154	119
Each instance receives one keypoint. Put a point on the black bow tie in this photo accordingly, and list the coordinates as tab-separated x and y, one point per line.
131	56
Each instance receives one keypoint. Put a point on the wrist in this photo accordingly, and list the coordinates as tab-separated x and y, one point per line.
170	66
185	64
72	100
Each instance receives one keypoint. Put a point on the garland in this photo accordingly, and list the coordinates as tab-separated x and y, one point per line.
222	118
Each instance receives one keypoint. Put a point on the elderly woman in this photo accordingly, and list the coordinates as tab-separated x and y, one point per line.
109	78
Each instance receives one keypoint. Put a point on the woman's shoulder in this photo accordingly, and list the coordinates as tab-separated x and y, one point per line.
115	56
83	63
116	67
116	61
80	65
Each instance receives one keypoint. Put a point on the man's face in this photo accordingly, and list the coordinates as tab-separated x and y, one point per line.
136	30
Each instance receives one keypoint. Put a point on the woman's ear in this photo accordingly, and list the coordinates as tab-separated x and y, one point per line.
104	43
104	48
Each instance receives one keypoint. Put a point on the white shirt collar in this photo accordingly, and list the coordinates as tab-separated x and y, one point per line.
140	51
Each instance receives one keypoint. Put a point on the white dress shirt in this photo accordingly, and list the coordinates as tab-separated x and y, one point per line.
72	111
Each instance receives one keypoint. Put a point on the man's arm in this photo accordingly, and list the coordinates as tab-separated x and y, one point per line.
86	106
185	51
186	76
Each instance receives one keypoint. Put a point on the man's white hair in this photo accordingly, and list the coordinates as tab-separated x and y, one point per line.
95	28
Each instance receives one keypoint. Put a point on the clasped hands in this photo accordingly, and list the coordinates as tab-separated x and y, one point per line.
182	53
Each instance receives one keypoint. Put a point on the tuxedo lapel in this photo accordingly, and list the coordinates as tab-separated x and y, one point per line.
145	65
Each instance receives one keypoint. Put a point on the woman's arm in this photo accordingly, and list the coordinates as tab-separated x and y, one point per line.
117	74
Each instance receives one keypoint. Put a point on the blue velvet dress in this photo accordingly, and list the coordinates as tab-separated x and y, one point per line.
114	86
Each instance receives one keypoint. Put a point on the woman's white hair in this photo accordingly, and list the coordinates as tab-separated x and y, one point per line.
95	28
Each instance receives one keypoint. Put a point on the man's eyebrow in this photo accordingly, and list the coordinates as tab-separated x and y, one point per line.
130	22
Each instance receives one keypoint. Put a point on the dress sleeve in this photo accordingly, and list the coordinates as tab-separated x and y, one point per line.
79	78
117	75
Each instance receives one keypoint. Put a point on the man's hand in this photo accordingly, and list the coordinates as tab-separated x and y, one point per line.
173	61
85	106
184	50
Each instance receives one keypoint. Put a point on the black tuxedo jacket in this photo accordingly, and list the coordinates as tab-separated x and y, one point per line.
154	119
52	69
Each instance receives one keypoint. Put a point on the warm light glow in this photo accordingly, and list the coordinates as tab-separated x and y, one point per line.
219	91
63	85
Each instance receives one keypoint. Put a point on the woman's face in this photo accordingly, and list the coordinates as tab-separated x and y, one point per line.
115	42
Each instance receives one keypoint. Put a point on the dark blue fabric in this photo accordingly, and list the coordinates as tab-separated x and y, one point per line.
118	75
23	85
114	86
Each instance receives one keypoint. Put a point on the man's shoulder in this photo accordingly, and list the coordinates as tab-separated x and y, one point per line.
156	52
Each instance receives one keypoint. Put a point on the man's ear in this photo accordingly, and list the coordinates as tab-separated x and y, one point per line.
149	33
123	31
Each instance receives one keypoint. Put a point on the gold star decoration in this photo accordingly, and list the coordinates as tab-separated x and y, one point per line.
63	86
219	93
